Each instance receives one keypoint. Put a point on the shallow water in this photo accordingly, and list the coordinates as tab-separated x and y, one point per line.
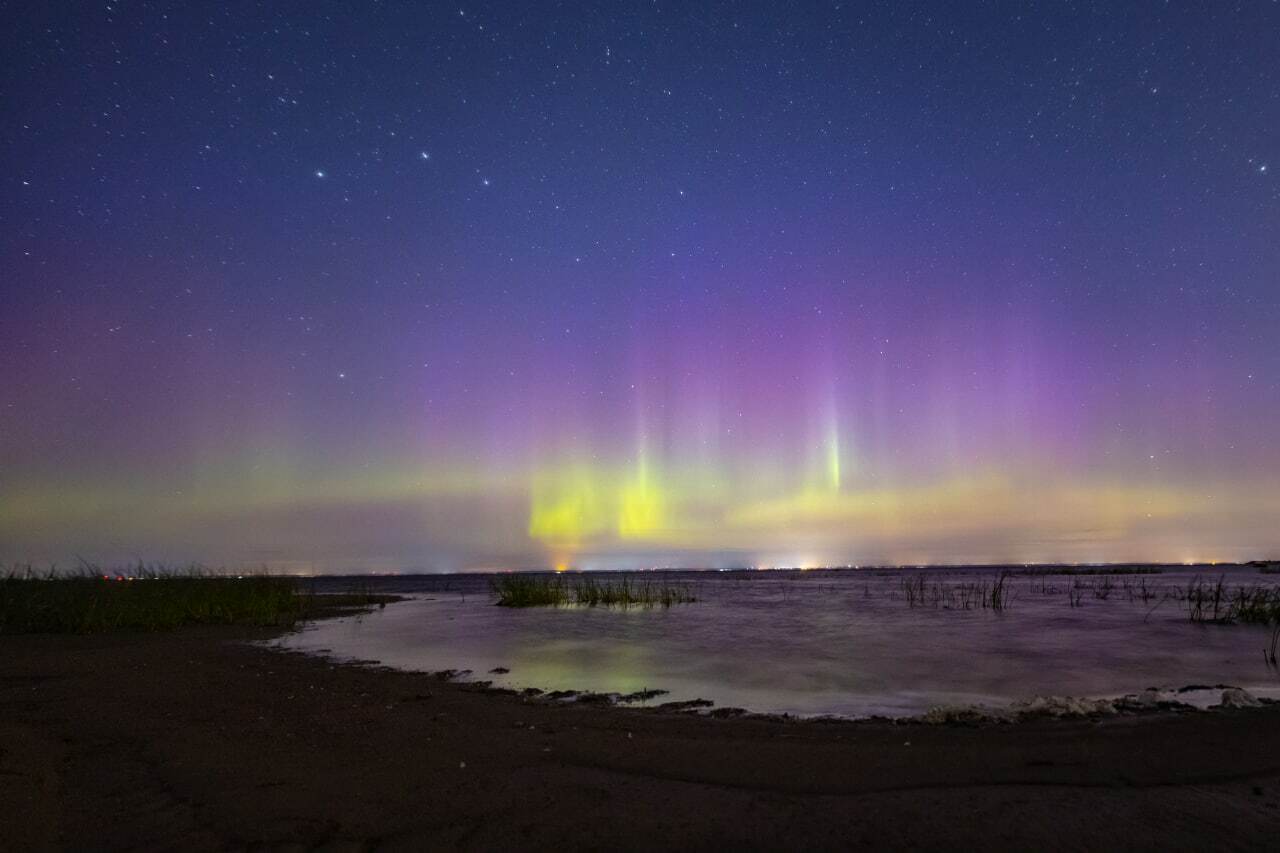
820	642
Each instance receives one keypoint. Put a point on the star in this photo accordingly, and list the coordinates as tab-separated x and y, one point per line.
485	181
424	155
319	173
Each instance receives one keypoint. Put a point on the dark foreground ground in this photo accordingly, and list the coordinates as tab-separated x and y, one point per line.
197	741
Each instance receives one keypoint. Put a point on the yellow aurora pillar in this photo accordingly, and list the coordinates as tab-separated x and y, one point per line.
641	505
826	469
833	456
567	505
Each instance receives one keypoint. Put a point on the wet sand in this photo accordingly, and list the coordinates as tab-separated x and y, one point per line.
199	741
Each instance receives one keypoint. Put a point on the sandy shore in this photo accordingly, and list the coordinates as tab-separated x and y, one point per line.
199	741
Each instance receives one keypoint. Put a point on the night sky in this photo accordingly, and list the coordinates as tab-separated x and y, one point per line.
413	286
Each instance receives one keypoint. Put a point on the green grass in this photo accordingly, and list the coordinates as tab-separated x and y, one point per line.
143	599
531	590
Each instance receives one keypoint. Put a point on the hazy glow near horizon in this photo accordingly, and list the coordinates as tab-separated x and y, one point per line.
753	287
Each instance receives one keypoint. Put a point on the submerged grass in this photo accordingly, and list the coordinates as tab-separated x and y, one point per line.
527	590
1258	605
1215	602
1050	571
994	595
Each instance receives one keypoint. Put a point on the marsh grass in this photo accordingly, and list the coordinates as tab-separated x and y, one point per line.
1000	595
529	590
1138	591
1216	603
1069	571
994	595
142	598
1257	605
517	590
913	589
1206	602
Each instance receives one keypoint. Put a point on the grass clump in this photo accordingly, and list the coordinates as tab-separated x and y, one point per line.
1207	602
913	590
1219	603
142	599
1215	602
1000	594
530	591
1088	570
1257	605
525	590
994	595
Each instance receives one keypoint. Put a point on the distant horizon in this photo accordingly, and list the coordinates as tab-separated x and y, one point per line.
122	569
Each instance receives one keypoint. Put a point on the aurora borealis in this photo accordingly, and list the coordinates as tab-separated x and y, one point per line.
443	287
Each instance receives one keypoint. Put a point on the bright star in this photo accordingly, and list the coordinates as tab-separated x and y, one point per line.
425	156
319	173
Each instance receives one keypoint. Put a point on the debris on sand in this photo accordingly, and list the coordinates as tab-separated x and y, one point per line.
1063	707
728	713
686	705
1235	697
640	696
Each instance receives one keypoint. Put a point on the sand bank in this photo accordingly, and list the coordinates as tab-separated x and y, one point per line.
198	740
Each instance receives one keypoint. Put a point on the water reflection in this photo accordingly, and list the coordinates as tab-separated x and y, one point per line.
819	642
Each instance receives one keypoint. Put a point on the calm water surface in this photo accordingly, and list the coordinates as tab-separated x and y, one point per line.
820	642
